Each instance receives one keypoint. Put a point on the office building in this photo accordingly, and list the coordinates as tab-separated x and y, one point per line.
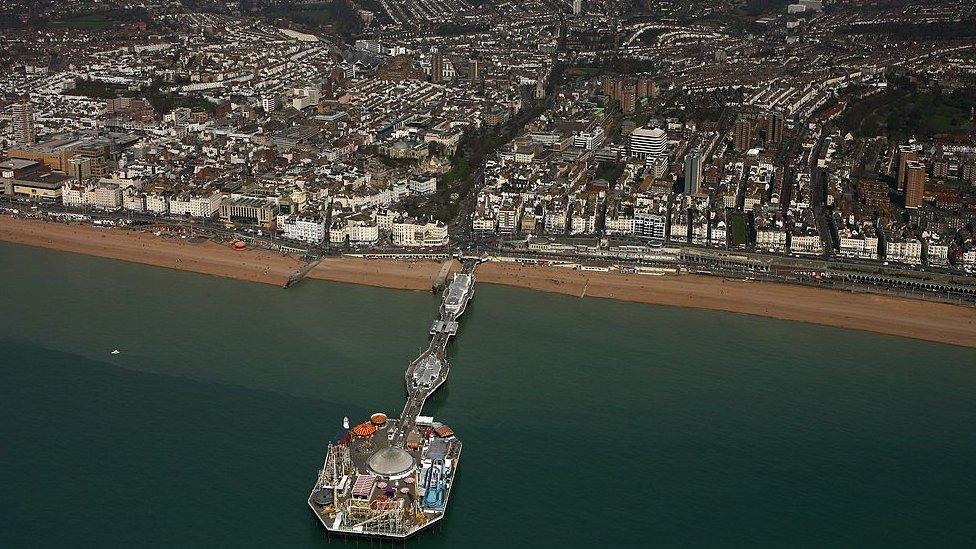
742	134
249	211
648	143
437	67
98	153
773	123
914	184
906	154
628	97
693	175
22	123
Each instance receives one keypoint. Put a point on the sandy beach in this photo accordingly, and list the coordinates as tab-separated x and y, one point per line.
399	275
917	319
871	312
140	247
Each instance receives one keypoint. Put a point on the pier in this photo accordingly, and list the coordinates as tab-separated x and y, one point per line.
442	275
391	478
302	272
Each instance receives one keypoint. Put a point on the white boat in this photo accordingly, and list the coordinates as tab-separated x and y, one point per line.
115	352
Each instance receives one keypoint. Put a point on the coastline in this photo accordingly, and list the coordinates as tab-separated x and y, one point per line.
890	315
897	316
397	275
202	257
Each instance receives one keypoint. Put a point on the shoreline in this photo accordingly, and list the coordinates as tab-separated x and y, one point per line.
890	315
199	256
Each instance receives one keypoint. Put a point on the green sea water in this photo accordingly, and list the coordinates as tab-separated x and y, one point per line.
586	423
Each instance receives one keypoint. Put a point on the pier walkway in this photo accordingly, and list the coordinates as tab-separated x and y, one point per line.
302	272
429	370
442	275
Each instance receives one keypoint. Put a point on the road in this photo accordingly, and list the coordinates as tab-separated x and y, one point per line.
818	196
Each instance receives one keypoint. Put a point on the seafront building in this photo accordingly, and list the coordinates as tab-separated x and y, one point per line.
644	138
309	229
727	144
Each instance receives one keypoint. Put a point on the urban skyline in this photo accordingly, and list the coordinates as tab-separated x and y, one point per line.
809	161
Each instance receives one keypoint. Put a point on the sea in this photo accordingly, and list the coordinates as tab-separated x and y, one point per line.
585	422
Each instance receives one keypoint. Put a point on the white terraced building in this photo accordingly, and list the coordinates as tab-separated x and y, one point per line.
806	244
969	261
937	254
157	203
133	200
771	241
195	206
363	233
355	231
309	229
862	248
414	233
904	251
101	195
107	195
423	186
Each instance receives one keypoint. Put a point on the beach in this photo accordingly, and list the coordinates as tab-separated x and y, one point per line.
196	255
926	320
891	315
398	275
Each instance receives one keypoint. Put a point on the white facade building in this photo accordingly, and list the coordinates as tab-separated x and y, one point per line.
157	203
103	195
309	229
589	140
771	241
423	186
363	233
195	206
904	251
73	195
937	254
108	196
623	225
861	248
133	200
969	261
648	142
410	232
801	244
650	225
484	224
